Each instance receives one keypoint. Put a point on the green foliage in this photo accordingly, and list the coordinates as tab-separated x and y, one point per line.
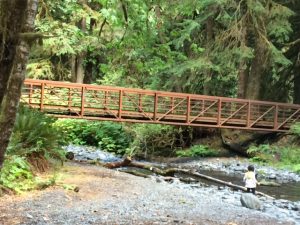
265	148
289	155
16	174
295	130
34	133
296	168
188	46
197	150
284	156
261	153
153	139
109	136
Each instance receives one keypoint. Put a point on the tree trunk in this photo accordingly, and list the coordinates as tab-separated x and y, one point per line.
243	70
159	24
297	83
258	67
209	26
12	89
77	66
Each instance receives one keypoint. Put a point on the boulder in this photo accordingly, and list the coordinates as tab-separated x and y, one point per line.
250	201
70	155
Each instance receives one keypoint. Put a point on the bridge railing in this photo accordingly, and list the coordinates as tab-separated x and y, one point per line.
95	102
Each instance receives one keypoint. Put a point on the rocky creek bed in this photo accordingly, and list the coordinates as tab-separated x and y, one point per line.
112	197
229	169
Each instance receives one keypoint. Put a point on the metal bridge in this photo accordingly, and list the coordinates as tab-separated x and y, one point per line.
70	100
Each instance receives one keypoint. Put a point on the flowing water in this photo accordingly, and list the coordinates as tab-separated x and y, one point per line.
289	191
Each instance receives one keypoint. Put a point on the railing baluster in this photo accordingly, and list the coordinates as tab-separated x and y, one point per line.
276	117
257	115
155	107
140	103
120	104
69	99
82	101
219	112
30	94
249	114
42	97
188	108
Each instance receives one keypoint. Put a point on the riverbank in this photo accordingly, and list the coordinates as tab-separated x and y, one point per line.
111	197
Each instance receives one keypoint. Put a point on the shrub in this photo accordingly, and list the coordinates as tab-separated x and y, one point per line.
35	137
287	156
261	153
197	150
154	139
109	136
16	174
295	130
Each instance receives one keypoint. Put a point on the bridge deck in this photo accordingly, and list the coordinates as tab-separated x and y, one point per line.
69	100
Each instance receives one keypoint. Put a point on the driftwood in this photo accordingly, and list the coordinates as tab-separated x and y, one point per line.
123	163
171	172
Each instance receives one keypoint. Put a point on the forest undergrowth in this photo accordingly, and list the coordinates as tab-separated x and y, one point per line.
37	140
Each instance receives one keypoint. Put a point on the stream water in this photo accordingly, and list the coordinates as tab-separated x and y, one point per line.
289	191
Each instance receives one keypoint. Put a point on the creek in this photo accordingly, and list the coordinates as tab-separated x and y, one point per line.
230	170
289	191
286	203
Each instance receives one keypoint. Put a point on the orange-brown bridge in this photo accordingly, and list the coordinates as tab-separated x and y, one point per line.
70	100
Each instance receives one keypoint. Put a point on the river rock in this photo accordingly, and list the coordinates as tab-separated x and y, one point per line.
70	155
250	201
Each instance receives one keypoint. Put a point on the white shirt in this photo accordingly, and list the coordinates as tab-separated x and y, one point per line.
250	180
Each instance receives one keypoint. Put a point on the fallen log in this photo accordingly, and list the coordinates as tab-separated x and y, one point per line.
123	163
171	172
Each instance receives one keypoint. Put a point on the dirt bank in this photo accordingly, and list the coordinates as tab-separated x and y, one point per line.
112	197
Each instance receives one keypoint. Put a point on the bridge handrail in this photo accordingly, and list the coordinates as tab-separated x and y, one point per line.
153	92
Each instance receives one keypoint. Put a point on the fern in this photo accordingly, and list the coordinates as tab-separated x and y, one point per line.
34	132
16	174
197	150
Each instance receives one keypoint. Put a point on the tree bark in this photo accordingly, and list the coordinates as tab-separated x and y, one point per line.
12	87
243	70
258	67
297	83
77	66
209	28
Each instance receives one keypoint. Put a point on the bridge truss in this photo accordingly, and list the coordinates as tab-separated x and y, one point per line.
70	100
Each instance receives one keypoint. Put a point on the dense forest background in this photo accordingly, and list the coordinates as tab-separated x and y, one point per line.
246	48
235	48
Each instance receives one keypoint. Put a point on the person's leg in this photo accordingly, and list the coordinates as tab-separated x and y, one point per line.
253	190
248	189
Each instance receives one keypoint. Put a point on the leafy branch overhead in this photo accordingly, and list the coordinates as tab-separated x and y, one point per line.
228	48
